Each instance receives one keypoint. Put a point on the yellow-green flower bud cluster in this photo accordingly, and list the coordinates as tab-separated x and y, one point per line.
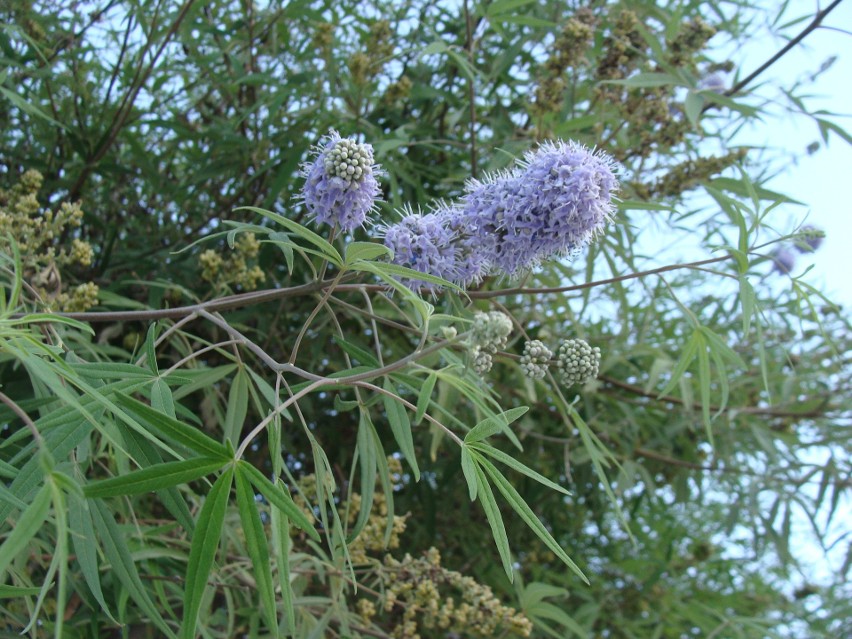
536	359
398	90
568	51
371	539
372	536
693	35
239	269
687	175
577	361
37	232
366	65
422	595
490	333
323	37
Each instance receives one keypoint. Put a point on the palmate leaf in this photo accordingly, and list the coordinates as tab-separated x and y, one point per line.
524	511
171	428
256	545
205	542
278	498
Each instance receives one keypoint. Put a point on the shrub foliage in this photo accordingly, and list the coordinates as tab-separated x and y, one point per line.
222	417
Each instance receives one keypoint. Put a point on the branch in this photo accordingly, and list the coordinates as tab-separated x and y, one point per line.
818	18
579	287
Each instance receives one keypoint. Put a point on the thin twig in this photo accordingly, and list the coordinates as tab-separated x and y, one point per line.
24	417
323	301
471	88
579	287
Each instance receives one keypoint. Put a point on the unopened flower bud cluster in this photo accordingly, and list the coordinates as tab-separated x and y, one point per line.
577	361
489	334
348	160
536	359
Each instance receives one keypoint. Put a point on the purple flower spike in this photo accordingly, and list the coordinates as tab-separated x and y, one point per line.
340	184
438	243
554	205
811	239
783	260
424	243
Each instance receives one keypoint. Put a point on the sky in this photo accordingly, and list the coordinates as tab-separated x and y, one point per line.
820	180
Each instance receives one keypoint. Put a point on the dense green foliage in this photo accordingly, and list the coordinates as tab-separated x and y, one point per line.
319	458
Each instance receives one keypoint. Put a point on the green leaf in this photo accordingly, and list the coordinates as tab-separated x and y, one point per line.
202	378
150	348
647	80
85	548
111	370
521	468
469	472
30	108
495	520
425	396
13	592
28	524
279	498
121	561
693	106
281	543
367	461
367	251
205	542
171	428
403	272
495	424
327	250
161	398
365	357
154	478
237	407
689	352
256	545
520	506
401	427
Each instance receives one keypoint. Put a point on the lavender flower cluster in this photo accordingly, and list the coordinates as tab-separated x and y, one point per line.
784	257
340	184
553	203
